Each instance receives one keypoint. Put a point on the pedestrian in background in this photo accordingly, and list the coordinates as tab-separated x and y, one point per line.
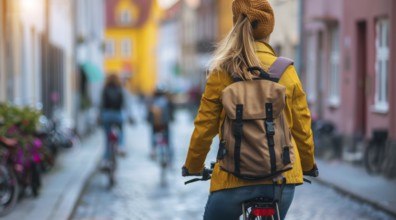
247	45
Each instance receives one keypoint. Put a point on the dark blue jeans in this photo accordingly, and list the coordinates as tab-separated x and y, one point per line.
108	117
227	204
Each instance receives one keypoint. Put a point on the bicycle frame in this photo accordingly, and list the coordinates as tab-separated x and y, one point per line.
113	137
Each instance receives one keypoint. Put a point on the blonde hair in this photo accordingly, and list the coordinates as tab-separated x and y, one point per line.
237	52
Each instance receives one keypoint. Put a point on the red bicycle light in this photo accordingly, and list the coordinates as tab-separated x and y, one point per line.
113	136
263	211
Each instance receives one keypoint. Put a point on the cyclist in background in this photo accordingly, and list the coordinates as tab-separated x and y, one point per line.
159	117
112	103
247	45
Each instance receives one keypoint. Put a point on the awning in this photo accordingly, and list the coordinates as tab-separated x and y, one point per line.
92	72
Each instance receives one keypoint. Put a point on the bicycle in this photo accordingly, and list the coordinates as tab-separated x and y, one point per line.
163	153
375	152
258	208
113	136
9	188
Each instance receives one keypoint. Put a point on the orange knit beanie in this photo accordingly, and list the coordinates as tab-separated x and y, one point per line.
259	13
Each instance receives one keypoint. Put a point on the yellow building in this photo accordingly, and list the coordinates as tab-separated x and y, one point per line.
131	42
224	18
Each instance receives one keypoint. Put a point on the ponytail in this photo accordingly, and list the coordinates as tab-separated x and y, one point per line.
237	52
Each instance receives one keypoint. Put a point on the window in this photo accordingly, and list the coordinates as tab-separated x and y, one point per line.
381	65
334	87
126	48
125	17
311	69
110	49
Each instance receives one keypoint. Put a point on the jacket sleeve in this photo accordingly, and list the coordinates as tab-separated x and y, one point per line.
206	125
301	129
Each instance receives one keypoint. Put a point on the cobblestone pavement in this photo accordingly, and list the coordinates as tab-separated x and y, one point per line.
139	194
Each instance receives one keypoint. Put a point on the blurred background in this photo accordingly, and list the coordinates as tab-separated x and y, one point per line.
56	54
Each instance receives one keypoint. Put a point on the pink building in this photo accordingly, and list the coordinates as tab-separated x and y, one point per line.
349	76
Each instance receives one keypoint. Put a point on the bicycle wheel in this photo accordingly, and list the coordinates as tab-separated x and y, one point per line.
372	158
36	179
8	190
164	161
113	162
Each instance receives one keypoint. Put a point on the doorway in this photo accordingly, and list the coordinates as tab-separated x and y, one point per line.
361	78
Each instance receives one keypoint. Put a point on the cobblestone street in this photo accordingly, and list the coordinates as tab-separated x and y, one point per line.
139	195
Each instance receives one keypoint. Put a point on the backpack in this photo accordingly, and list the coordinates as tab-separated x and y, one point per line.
159	111
256	142
113	98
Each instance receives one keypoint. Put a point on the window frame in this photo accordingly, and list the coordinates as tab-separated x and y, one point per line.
125	17
382	55
311	68
126	47
110	48
334	90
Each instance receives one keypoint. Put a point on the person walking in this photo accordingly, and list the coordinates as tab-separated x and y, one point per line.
246	46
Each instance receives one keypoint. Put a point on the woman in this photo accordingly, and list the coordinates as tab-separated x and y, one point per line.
247	46
112	103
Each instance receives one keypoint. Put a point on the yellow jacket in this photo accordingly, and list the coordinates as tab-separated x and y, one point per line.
211	114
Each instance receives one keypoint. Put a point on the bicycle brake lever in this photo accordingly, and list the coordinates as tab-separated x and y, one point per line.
192	180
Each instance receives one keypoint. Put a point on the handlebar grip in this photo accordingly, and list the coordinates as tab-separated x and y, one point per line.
185	172
314	172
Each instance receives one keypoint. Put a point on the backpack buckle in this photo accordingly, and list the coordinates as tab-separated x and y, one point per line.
222	150
269	125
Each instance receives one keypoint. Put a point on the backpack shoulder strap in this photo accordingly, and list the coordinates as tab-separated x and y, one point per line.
279	67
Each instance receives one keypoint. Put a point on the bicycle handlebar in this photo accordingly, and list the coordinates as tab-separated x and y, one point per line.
314	172
206	174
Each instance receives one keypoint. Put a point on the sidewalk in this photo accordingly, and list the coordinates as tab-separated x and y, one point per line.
63	185
355	182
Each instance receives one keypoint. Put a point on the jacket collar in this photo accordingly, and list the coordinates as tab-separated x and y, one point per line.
264	48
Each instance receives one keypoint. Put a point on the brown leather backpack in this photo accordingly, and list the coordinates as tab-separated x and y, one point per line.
256	142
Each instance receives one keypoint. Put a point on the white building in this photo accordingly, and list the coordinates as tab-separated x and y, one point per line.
40	47
285	38
89	45
2	63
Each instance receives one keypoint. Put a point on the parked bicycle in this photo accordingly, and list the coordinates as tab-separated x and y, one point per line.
375	152
9	189
258	208
327	143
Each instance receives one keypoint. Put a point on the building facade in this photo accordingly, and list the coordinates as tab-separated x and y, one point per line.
169	50
2	52
285	37
348	69
131	42
89	28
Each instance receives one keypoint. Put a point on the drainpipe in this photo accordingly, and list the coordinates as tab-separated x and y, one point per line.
300	54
